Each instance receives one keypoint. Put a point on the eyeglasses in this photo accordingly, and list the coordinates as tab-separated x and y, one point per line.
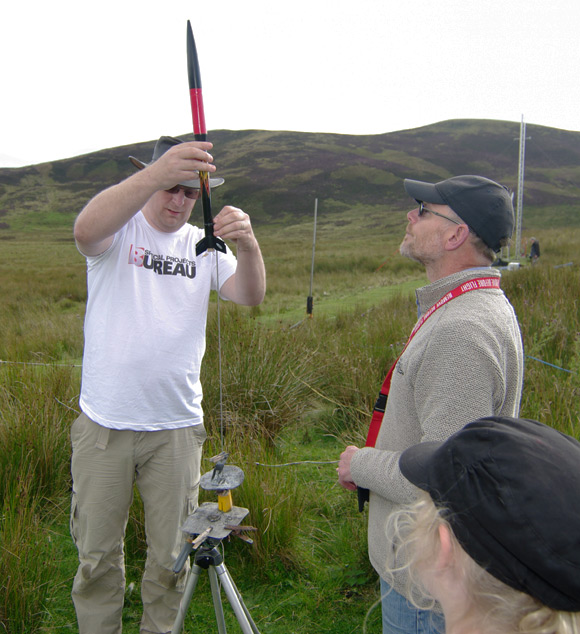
423	210
187	191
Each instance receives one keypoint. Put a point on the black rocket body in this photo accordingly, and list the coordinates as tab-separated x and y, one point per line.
209	241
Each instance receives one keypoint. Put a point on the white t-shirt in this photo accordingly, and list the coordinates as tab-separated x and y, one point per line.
145	322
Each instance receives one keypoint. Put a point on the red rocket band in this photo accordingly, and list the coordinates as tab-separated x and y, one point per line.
209	241
197	112
195	87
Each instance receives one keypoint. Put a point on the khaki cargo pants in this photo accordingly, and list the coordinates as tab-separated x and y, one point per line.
106	463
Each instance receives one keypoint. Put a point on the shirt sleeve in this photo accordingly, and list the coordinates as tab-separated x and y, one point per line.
455	379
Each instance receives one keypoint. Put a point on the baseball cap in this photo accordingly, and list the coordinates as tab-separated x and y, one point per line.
511	488
483	204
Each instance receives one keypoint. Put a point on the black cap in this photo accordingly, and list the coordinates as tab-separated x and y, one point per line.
162	145
483	204
512	490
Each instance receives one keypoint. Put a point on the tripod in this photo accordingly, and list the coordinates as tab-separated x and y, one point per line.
208	518
210	559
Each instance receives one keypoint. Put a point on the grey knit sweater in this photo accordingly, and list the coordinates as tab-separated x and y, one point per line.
464	363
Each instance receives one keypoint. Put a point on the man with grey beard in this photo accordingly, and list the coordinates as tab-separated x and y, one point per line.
463	361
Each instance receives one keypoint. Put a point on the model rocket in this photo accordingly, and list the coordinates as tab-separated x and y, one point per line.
209	241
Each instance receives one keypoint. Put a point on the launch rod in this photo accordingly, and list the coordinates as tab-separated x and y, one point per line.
310	300
209	241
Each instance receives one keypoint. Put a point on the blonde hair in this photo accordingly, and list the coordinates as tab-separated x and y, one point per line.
498	607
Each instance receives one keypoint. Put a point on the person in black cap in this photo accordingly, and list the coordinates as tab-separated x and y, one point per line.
496	537
463	359
142	418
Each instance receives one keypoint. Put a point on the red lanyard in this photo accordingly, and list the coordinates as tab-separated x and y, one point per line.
380	405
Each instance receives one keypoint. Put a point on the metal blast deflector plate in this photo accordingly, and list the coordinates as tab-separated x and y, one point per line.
208	515
229	477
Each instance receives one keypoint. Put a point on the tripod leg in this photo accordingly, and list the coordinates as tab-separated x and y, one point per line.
235	598
217	600
186	598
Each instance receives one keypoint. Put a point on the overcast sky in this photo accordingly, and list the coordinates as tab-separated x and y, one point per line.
79	77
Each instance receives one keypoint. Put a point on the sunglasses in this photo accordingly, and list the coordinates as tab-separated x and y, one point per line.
423	210
187	191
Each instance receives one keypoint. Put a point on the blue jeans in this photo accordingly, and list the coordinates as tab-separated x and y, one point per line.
401	617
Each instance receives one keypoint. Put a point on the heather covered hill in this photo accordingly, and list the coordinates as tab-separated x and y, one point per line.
275	175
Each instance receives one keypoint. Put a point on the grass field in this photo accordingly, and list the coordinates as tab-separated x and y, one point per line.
295	390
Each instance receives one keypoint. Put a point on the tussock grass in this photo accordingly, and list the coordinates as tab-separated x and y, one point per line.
292	392
548	308
266	378
34	419
36	408
25	566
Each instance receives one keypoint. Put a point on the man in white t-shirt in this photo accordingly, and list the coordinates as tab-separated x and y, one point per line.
142	420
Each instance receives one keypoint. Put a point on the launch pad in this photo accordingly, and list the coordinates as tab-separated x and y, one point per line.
206	527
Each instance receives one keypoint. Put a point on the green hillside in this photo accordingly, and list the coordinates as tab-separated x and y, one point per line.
276	176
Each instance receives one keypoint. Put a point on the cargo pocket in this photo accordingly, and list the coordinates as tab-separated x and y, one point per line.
199	434
74	430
